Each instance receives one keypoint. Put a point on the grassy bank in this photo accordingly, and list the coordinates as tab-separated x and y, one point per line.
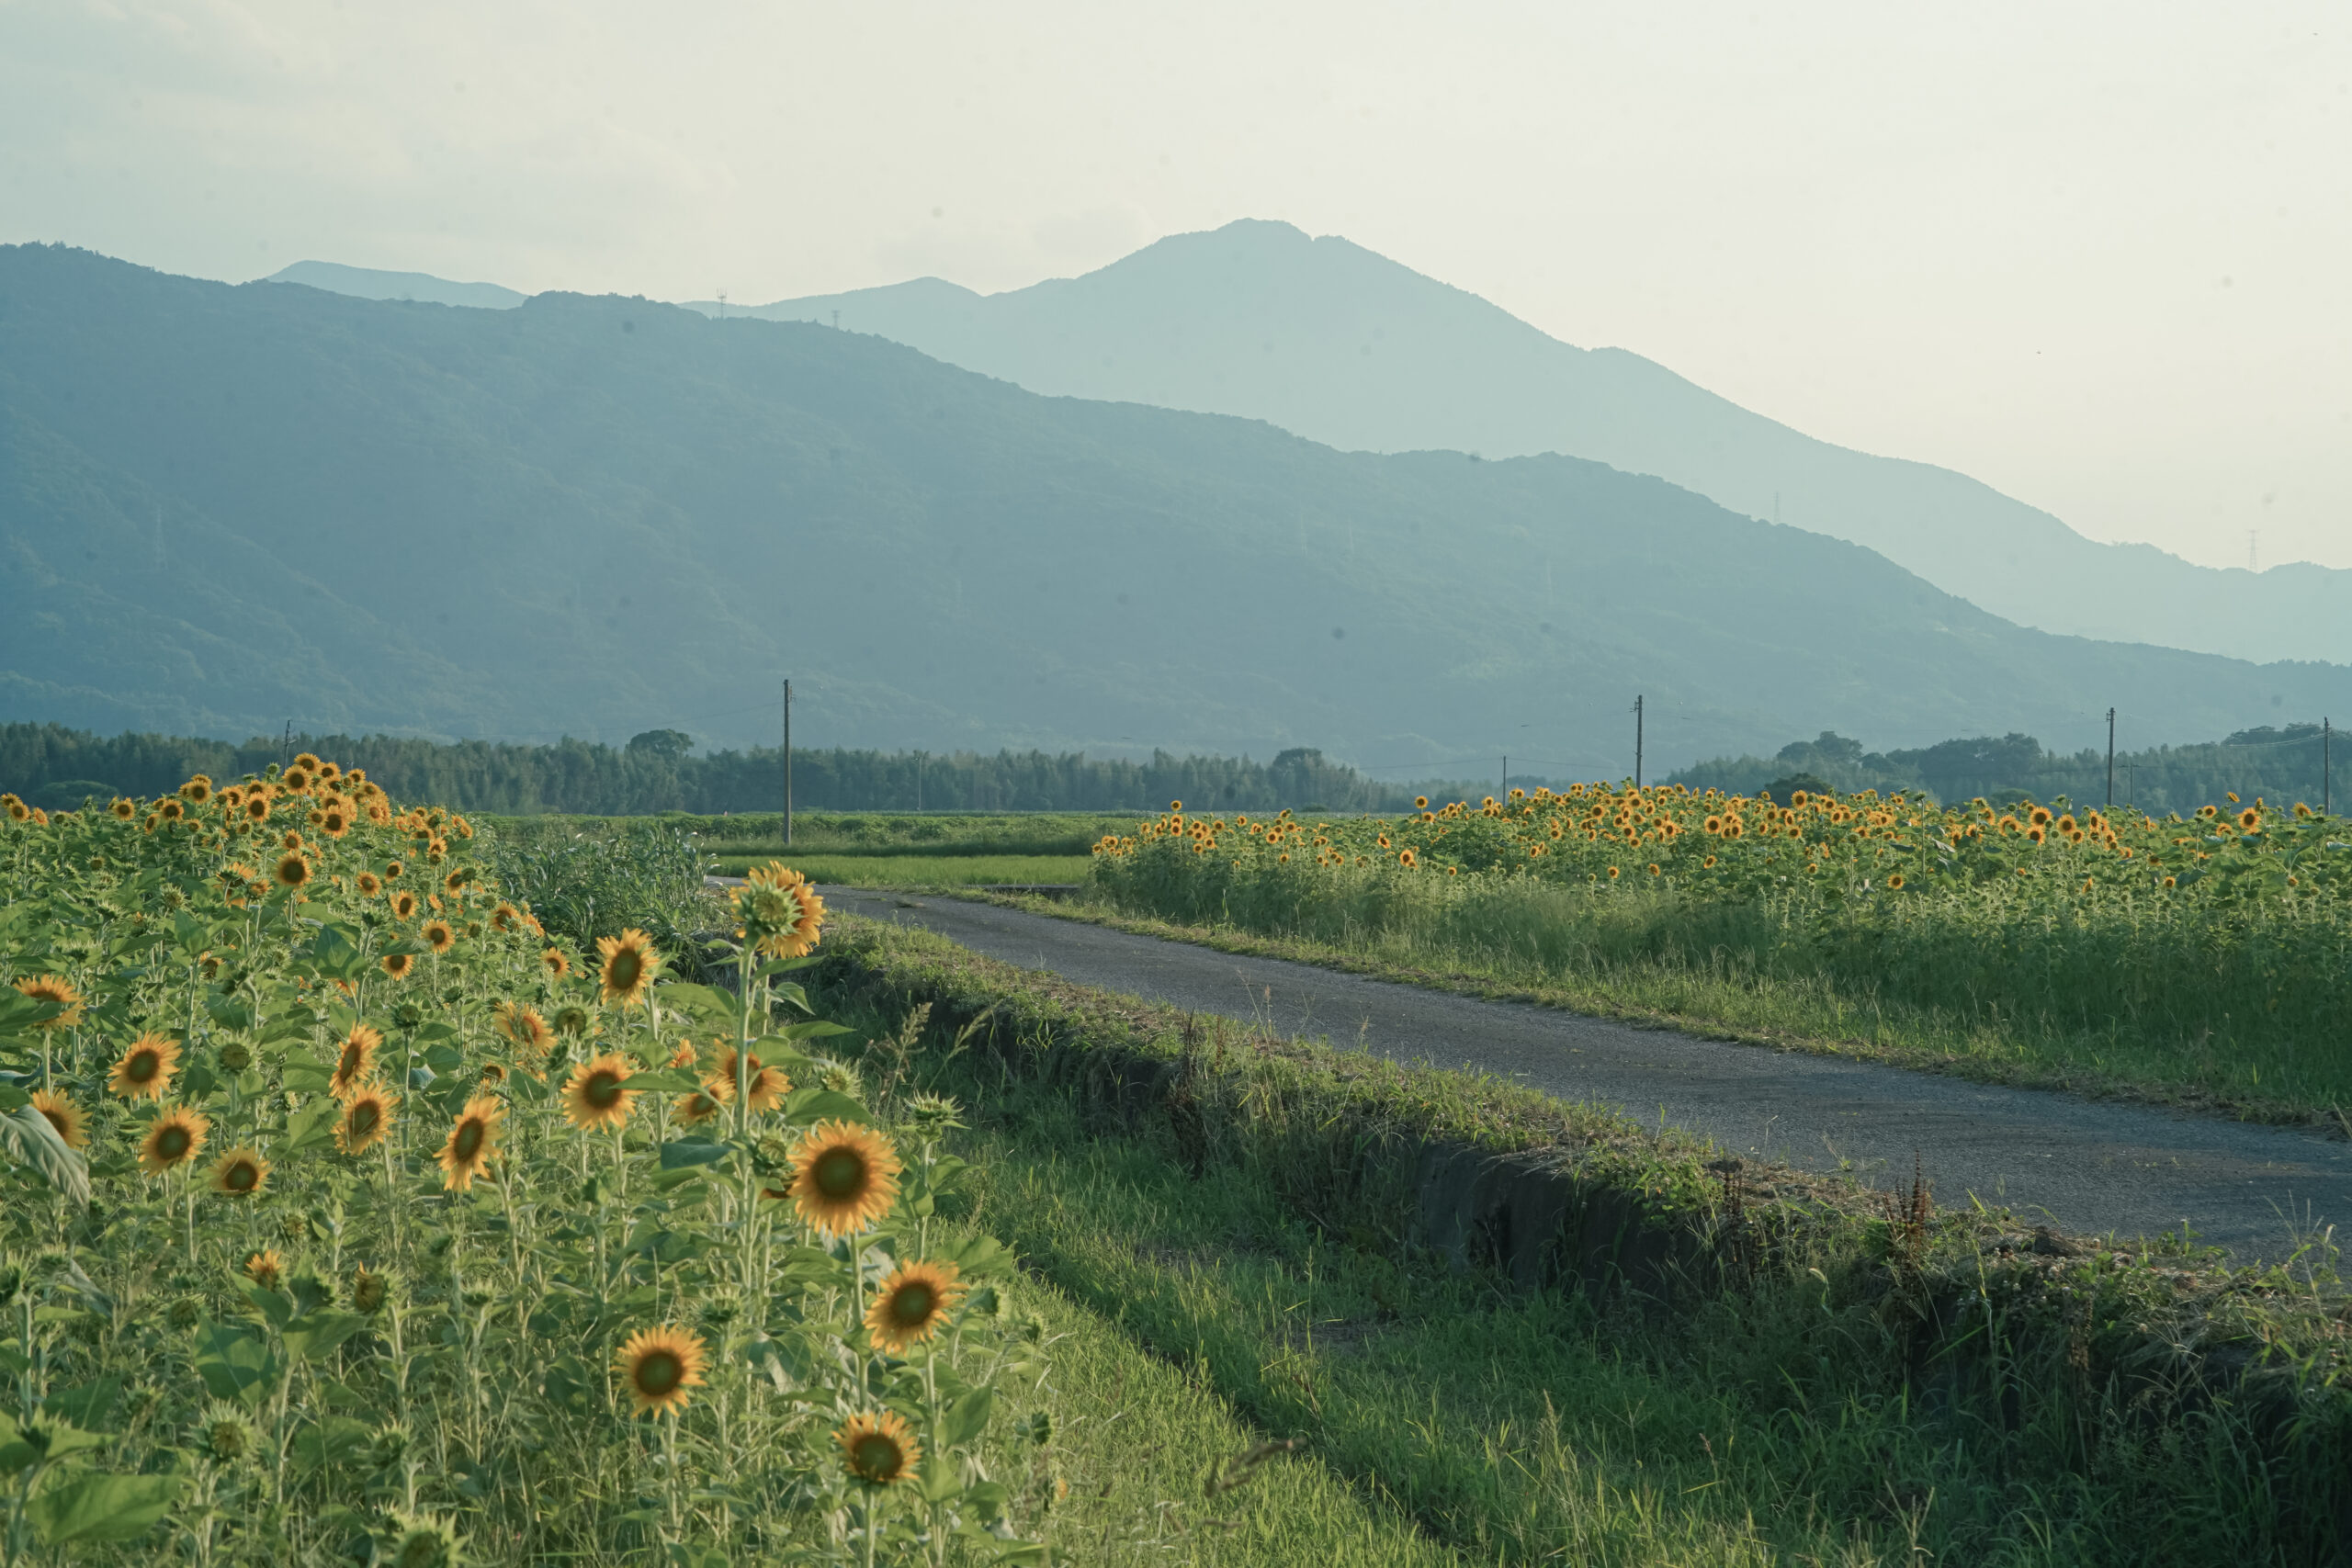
1816	1378
2201	961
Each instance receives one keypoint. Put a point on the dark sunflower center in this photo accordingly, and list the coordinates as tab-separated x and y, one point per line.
144	1066
467	1142
363	1118
875	1457
911	1304
840	1173
172	1143
602	1090
242	1178
625	968
657	1372
349	1066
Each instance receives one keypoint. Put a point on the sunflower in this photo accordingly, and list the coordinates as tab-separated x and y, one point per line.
392	870
456	881
1421	803
778	911
704	1103
658	1365
575	1021
844	1177
170	810
1612	874
879	1450
594	1099
367	1116
2035	835
439	937
16	810
2039	817
145	1071
175	1137
398	964
557	967
334	822
240	1173
354	1061
629	967
2249	819
266	1269
1895	880
768	1085
125	809
403	904
54	988
1708	864
257	809
63	1115
296	779
473	1140
912	1303
505	918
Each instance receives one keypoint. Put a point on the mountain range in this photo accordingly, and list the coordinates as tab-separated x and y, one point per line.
1342	345
225	507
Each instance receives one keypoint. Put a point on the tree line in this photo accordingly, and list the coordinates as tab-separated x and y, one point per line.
2282	765
53	766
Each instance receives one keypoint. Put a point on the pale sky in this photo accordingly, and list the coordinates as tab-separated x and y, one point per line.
2097	255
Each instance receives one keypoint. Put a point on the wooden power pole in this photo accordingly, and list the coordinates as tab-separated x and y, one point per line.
787	764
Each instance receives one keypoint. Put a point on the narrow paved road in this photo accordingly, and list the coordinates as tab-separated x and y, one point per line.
2084	1165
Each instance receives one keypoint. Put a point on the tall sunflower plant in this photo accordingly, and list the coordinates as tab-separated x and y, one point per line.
352	1215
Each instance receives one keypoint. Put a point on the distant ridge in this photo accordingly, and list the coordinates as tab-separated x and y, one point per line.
365	282
223	508
1344	346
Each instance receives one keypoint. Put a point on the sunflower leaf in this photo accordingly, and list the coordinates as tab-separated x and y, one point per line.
967	1417
28	1139
100	1507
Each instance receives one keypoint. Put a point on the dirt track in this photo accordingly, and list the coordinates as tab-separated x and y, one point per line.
2086	1165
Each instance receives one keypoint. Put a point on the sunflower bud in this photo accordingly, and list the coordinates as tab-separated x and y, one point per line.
236	1056
225	1434
368	1290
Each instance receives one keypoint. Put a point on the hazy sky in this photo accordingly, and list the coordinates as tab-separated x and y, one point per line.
2095	254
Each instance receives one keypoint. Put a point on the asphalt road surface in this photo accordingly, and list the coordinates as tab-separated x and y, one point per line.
2084	1165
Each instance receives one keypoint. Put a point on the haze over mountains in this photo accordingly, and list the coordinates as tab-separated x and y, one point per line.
1339	344
224	507
1342	345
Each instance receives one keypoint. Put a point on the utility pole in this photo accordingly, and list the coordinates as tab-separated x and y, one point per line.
286	747
919	761
2111	759
1637	740
787	764
2326	769
1506	788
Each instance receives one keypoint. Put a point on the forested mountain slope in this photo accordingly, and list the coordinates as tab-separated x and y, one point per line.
222	508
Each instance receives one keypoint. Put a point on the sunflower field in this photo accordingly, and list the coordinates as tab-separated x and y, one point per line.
2208	953
351	1218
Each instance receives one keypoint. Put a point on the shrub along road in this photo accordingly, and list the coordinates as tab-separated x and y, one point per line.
2082	1165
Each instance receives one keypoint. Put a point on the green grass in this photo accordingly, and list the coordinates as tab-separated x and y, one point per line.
919	871
1716	996
1540	1428
2184	962
1137	1438
1248	1207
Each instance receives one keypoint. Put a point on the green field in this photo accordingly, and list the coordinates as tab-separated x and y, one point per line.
917	870
2204	959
